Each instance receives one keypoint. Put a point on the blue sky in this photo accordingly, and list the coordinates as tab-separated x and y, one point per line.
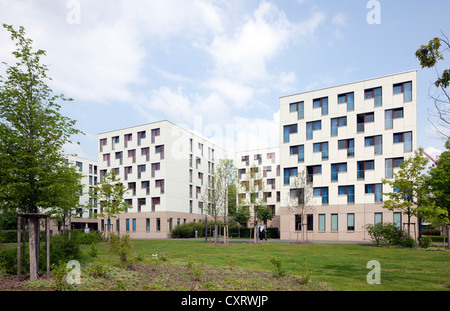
218	67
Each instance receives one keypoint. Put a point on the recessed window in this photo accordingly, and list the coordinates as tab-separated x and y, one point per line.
363	166
390	164
376	141
336	123
390	115
337	168
311	127
323	148
348	144
321	192
288	172
349	191
289	129
405	138
348	99
375	189
363	118
376	94
299	108
404	88
321	103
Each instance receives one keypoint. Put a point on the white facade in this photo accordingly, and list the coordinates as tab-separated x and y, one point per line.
347	138
267	162
166	170
89	170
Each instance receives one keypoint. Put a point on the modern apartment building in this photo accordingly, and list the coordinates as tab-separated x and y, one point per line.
347	139
166	170
264	166
83	218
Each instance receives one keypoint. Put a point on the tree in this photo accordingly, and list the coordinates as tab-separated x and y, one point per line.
409	193
109	193
429	55
216	197
300	200
253	188
438	185
32	135
32	131
68	189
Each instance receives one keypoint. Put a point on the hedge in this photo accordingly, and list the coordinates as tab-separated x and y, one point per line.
187	230
10	236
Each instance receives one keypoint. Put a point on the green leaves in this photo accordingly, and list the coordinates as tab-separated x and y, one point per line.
109	193
429	55
408	185
32	132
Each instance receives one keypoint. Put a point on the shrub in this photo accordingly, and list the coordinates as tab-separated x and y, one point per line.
408	241
98	271
431	232
385	233
59	271
8	260
93	250
425	242
8	236
305	273
278	265
63	248
121	246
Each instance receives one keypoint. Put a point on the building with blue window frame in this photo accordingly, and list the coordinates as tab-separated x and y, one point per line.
347	139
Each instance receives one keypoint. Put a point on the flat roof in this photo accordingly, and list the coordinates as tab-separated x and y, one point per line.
339	85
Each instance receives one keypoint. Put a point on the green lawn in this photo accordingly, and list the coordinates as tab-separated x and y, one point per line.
341	266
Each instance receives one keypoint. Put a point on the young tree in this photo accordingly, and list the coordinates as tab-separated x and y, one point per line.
32	135
253	188
409	193
109	193
32	132
67	190
429	55
300	200
216	196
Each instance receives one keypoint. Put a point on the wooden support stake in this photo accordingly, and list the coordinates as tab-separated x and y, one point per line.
19	259
47	244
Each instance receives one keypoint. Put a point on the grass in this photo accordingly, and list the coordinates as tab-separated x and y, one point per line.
340	266
193	264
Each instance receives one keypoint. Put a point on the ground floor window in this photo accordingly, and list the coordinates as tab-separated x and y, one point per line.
322	222
158	224
350	222
378	218
309	222
398	219
298	222
147	224
334	222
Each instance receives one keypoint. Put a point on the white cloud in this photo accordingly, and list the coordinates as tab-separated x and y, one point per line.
339	19
243	54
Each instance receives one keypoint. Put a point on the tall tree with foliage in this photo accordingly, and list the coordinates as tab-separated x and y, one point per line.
109	193
32	132
32	135
69	189
429	56
438	186
408	185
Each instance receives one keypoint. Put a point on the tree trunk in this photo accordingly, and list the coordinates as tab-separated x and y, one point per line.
255	234
33	253
216	233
